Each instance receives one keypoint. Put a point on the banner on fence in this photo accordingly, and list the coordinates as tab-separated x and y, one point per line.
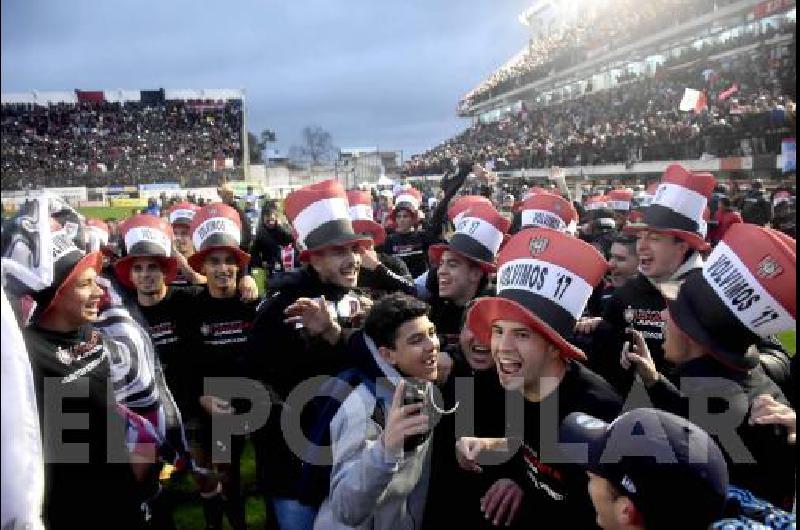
123	202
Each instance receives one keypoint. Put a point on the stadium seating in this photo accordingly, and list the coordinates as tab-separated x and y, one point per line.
96	141
641	121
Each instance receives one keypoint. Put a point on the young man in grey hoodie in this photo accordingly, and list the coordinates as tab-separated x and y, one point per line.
381	442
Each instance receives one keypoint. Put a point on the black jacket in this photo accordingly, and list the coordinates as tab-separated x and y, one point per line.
282	357
265	252
391	275
487	408
710	386
756	208
638	304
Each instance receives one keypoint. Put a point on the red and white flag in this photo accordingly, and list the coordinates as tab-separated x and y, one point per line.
693	100
728	92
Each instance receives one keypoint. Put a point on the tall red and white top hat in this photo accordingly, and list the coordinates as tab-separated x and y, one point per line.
536	190
480	231
544	281
182	213
464	203
746	291
620	199
215	227
362	216
597	202
549	211
408	198
146	236
679	205
320	218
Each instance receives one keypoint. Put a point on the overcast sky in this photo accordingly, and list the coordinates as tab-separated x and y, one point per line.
373	73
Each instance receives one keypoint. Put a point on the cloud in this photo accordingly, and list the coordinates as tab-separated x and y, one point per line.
370	72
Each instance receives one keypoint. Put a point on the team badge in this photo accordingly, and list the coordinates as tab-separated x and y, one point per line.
629	314
538	245
205	329
768	268
64	356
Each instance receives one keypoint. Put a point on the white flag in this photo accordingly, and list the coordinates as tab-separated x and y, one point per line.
693	100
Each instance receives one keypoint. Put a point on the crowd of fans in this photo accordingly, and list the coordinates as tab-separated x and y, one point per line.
603	25
641	120
106	143
417	358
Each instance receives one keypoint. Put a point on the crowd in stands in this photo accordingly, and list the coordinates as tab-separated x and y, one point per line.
605	25
641	120
105	143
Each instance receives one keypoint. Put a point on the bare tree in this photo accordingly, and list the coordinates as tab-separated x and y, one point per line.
317	146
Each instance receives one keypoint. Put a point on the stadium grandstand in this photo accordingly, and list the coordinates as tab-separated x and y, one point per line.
601	83
122	137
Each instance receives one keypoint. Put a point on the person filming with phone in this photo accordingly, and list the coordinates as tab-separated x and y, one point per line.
381	435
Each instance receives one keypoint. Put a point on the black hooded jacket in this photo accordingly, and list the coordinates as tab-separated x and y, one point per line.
283	356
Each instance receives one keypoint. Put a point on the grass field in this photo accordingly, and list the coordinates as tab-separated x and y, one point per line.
108	212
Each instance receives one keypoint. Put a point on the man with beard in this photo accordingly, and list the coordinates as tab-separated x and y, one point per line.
545	279
299	334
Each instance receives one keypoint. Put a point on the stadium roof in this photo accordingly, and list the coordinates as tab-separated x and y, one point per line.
119	95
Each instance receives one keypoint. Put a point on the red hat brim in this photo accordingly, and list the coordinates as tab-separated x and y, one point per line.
404	206
196	260
371	228
435	256
488	310
694	240
122	269
93	260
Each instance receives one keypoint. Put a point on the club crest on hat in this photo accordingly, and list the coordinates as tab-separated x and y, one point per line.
538	245
768	268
